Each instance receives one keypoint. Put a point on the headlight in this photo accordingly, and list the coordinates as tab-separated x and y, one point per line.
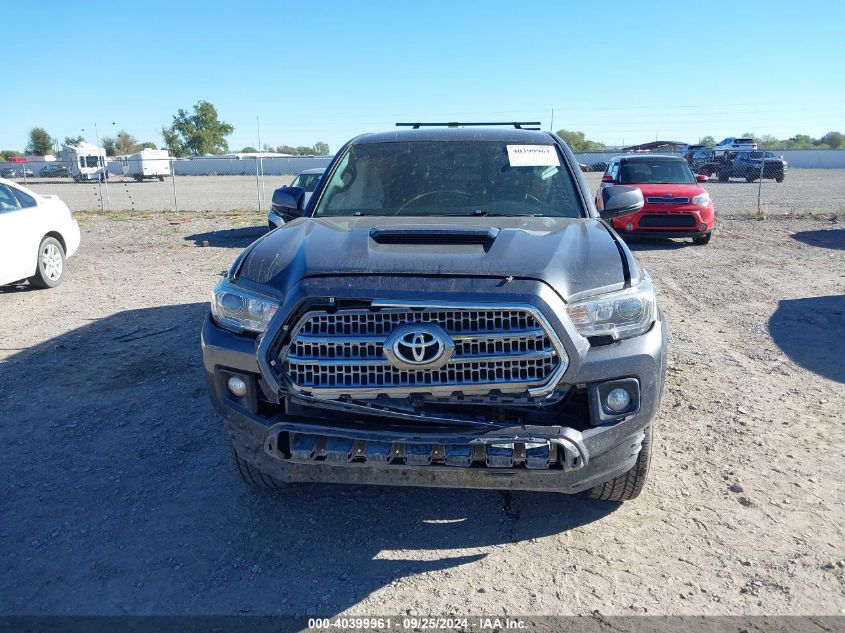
620	314
237	309
702	199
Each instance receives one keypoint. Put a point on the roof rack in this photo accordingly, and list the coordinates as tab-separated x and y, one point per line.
519	125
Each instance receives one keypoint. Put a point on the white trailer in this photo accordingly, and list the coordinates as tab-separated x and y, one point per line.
85	162
148	163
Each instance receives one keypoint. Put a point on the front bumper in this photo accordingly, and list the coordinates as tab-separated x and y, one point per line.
661	233
701	216
279	444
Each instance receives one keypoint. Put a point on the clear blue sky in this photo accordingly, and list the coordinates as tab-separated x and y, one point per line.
329	70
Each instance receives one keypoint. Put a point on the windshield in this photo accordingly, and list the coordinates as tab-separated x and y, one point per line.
449	178
92	161
306	181
642	172
761	155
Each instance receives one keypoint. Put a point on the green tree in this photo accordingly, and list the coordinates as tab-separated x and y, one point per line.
146	145
578	142
125	143
707	141
173	142
767	141
249	150
834	140
198	133
40	142
322	149
285	149
73	141
109	146
6	154
800	141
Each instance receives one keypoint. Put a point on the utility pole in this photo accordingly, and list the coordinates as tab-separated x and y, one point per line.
261	161
105	168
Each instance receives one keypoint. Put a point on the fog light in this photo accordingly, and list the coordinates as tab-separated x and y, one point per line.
238	387
629	227
618	400
702	227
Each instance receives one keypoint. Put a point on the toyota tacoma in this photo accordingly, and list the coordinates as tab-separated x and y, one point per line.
447	309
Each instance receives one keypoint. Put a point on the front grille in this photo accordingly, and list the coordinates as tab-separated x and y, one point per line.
680	220
665	200
496	350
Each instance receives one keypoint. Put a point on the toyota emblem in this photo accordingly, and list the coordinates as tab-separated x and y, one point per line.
418	346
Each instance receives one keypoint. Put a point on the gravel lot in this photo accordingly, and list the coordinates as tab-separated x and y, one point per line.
118	497
805	191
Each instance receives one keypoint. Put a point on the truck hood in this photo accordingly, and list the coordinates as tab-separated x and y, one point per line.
572	255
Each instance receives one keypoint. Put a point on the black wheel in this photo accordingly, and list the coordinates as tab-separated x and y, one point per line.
704	239
51	264
750	179
161	178
248	473
628	485
779	179
723	176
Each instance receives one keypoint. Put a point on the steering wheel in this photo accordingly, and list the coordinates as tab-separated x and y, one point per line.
430	193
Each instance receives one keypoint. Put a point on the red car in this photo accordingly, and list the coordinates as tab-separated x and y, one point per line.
676	205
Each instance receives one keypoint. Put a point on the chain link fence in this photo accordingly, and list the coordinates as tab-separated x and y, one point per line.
121	184
796	182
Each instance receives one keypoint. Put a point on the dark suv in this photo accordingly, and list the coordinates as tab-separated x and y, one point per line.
748	165
449	310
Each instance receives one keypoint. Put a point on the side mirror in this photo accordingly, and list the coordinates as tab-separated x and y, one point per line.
701	178
620	200
289	201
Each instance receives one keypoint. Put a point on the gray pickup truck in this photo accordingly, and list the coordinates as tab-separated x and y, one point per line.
448	309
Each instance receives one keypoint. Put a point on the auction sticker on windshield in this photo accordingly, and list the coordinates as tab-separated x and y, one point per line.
533	156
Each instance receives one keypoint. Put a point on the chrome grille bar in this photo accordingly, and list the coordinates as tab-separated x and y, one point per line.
497	350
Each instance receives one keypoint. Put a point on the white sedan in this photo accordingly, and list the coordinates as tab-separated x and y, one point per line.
37	234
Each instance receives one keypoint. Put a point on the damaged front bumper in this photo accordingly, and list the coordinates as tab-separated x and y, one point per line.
356	449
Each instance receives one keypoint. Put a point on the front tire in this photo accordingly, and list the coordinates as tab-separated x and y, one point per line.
51	264
704	239
630	484
248	473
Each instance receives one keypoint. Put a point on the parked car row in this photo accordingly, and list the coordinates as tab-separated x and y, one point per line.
11	172
54	171
748	165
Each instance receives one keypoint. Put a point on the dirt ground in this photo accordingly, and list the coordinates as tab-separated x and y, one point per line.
118	498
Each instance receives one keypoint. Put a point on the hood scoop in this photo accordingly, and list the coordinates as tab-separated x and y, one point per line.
434	234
